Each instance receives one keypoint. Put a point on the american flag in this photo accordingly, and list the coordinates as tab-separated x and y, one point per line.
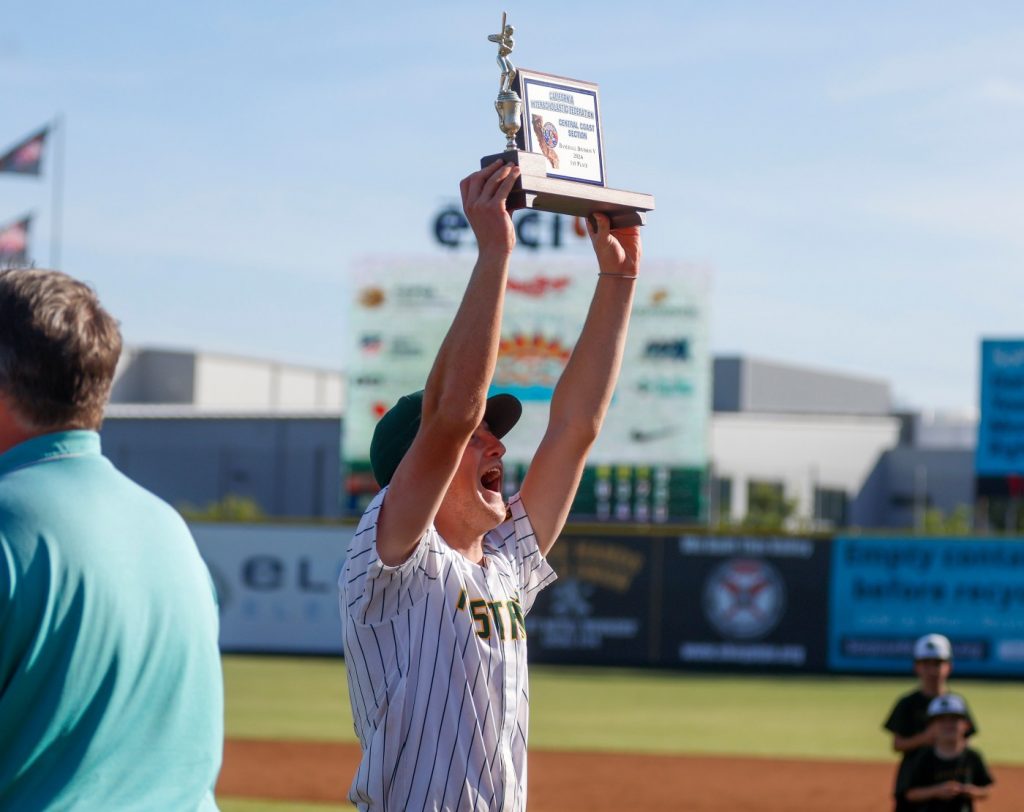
25	157
14	242
370	344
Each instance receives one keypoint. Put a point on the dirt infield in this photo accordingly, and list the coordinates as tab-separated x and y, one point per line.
603	782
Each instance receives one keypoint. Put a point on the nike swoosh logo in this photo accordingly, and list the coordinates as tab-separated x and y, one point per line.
640	436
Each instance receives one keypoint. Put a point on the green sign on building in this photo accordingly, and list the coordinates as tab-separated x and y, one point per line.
651	460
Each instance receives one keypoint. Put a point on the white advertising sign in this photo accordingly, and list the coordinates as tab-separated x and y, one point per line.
561	121
277	585
660	412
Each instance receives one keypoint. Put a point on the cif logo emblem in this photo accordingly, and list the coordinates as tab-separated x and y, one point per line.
744	598
550	135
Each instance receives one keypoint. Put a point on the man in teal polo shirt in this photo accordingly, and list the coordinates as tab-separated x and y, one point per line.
111	694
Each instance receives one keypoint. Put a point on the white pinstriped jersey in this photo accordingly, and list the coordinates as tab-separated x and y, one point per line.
435	651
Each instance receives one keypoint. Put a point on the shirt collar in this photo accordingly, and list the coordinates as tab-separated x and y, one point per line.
50	446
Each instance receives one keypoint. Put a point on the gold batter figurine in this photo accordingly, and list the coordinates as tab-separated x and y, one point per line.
508	104
505	46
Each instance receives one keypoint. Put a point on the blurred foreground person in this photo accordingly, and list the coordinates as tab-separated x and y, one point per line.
913	729
441	572
948	776
110	683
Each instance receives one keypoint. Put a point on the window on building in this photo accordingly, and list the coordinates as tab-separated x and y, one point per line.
831	506
909	500
721	499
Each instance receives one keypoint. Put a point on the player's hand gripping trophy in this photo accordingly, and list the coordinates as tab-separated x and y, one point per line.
508	104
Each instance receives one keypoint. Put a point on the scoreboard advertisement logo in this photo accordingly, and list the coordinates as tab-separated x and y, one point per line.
650	461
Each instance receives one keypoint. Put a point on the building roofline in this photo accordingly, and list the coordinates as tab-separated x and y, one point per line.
184	411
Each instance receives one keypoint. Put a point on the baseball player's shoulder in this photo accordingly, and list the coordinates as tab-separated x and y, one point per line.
901	713
372	512
982	775
359	553
363	565
911	698
365	536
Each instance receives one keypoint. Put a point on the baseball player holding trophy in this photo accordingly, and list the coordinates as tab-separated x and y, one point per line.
442	571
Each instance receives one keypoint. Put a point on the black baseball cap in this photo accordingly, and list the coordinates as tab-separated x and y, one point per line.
396	430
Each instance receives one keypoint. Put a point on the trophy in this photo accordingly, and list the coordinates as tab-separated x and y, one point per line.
552	127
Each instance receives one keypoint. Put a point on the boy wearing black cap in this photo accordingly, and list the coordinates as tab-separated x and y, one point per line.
441	571
948	776
909	721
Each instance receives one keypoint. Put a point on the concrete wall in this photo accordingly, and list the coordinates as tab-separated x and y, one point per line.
288	465
803	452
154	376
752	385
217	381
916	478
945	430
727	385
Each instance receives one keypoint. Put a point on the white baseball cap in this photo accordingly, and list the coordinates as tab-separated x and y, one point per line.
947	705
933	647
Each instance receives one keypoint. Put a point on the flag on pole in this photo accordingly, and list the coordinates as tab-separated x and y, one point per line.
26	157
14	242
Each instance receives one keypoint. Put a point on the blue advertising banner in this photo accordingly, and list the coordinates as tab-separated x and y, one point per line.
888	592
1001	426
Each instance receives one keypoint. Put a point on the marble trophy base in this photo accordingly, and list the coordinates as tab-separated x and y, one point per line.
535	190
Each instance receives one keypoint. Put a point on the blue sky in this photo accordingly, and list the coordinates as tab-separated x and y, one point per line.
852	173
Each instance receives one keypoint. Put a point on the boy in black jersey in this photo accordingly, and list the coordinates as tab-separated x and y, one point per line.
909	721
948	776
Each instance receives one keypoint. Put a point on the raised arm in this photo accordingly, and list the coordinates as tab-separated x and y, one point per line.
456	392
906	744
581	398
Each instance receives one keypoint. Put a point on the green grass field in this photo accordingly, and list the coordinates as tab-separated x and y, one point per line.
633	711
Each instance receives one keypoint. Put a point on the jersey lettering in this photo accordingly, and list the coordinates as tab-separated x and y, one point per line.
495	607
489	617
518	620
478	608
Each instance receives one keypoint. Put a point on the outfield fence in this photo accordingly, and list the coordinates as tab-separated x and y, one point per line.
683	600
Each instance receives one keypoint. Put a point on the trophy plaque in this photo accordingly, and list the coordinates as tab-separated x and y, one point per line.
552	127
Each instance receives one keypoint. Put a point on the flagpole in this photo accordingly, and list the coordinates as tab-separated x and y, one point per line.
57	209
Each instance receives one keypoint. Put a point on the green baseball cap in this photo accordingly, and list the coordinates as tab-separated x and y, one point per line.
396	430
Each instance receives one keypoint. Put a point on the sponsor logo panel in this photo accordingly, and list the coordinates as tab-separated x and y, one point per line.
747	603
276	585
597	610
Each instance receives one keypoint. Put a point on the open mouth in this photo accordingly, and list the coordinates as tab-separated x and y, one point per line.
491	479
